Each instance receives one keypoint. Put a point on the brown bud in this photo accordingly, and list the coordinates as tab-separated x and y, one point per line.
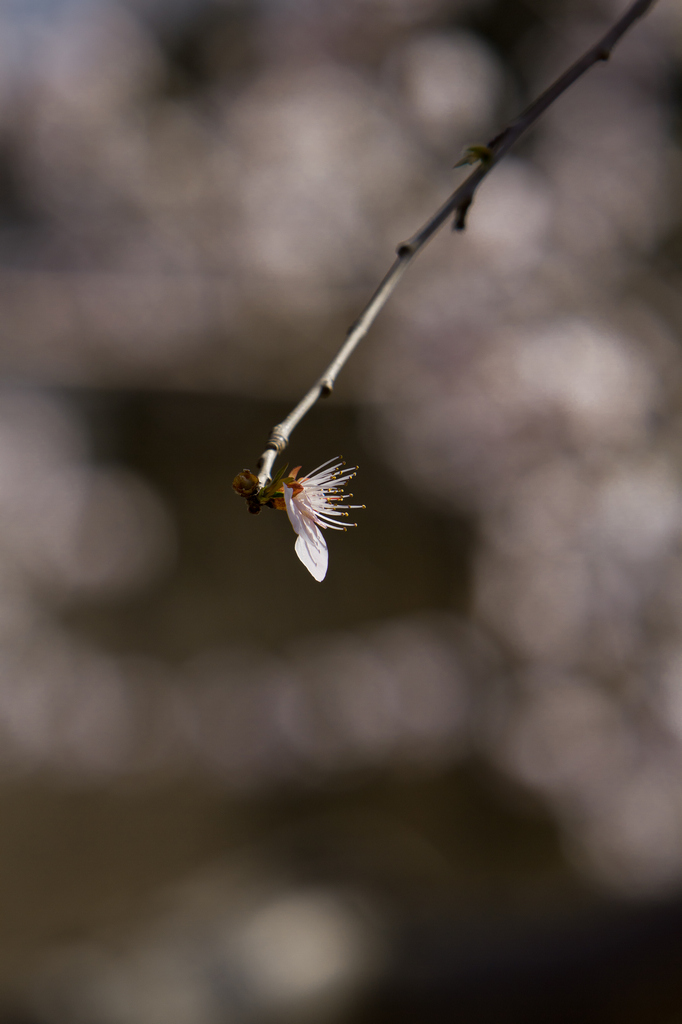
246	484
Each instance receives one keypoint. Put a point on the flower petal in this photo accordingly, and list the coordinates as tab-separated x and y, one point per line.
296	517
311	546
312	551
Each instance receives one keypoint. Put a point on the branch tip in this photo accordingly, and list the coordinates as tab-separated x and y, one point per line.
457	207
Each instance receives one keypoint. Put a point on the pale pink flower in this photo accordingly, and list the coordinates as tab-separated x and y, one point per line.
314	504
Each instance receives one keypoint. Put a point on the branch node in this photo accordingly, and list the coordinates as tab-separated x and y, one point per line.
459	223
404	249
603	54
326	388
277	442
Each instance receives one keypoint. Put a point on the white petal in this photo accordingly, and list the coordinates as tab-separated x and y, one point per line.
296	517
311	546
313	553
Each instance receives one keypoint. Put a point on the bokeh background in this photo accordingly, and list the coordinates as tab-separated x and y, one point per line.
447	782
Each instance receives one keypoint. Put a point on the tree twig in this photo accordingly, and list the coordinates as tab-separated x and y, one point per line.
457	207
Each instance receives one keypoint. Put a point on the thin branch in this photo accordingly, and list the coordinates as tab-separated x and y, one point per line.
457	207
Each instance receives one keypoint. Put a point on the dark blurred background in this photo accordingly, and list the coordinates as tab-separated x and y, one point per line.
446	783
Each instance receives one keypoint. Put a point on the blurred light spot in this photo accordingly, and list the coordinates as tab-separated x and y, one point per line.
639	512
98	531
64	705
569	740
398	692
510	221
164	983
600	216
539	605
155	982
452	83
235	947
95	57
37	433
593	375
319	151
633	840
544	512
302	949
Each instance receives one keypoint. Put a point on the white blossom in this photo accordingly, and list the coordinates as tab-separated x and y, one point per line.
313	504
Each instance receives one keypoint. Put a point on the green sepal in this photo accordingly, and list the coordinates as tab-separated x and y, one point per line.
273	489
